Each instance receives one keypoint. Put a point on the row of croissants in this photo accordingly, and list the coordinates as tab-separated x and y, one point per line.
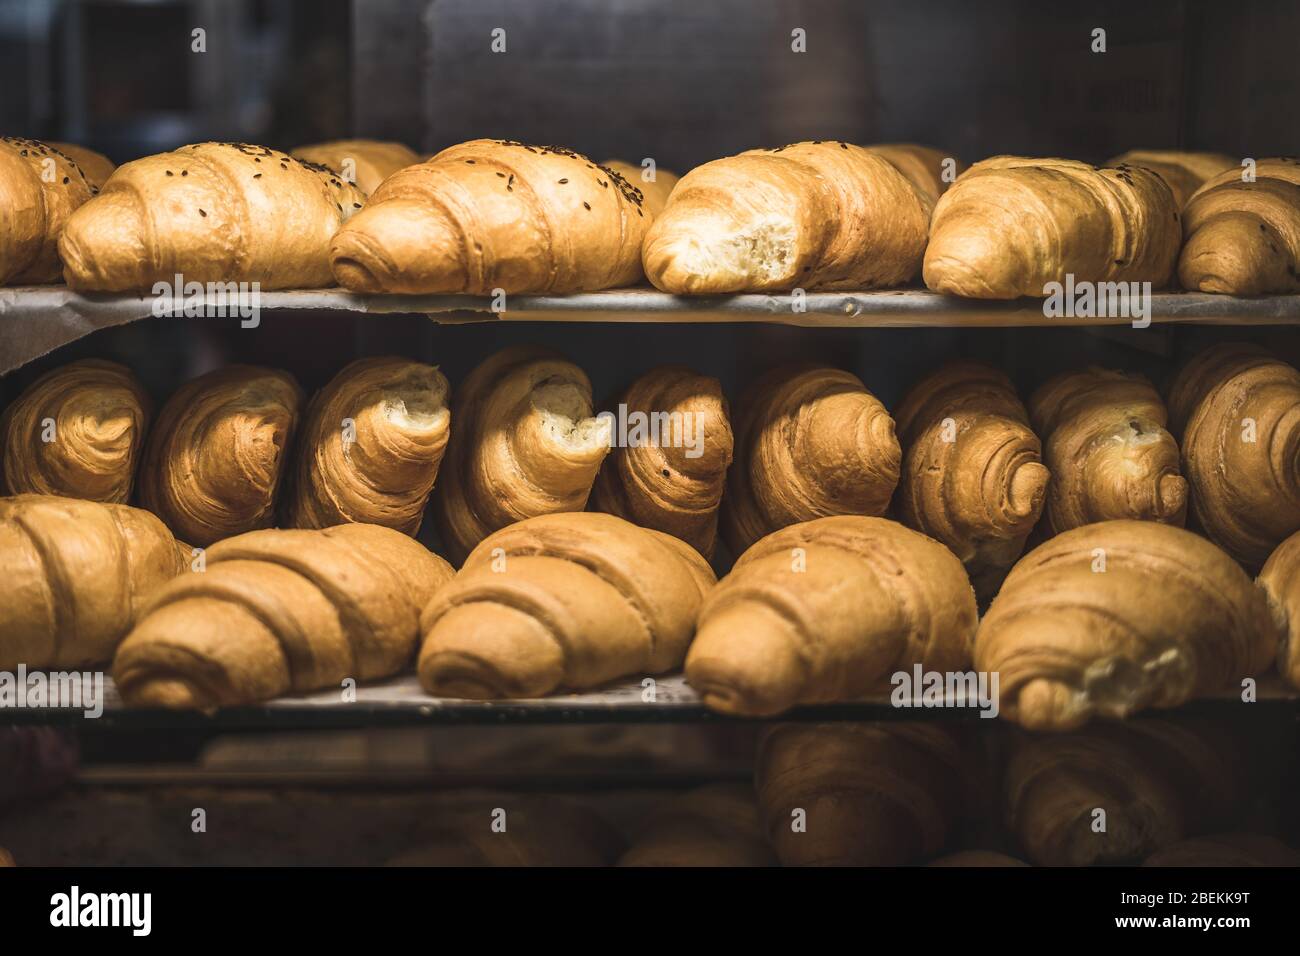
200	602
490	216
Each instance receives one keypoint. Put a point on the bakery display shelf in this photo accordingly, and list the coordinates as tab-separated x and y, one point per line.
36	320
401	702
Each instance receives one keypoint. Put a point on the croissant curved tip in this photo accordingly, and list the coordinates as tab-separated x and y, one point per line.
1171	497
168	692
1050	705
1028	488
1236	254
485	651
744	670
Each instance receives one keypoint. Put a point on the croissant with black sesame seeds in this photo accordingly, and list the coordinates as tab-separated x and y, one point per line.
366	162
1009	226
211	212
1243	238
492	215
40	187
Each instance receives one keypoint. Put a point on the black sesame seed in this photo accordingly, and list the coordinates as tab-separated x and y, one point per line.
66	180
563	181
185	172
356	205
586	205
169	172
255	175
203	214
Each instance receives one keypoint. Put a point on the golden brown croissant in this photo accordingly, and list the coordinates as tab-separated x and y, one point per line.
823	215
40	186
371	445
1226	850
655	192
562	601
859	794
76	574
1236	411
972	474
1108	450
215	457
515	831
672	478
366	162
525	444
76	431
96	166
922	165
714	825
1243	238
212	212
1011	225
1183	172
1110	618
491	214
829	610
1280	579
1114	793
278	612
810	442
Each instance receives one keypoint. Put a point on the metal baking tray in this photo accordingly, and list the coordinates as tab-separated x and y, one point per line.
35	320
400	701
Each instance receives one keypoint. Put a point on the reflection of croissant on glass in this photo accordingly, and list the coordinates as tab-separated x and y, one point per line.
1117	792
850	794
713	825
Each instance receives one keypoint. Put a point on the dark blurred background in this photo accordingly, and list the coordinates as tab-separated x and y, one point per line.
681	80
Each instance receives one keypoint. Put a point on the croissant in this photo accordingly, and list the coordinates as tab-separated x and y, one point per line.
365	162
670	479
810	442
1280	580
1011	225
655	192
537	831
972	473
714	825
1226	850
1115	793
279	612
96	167
562	601
489	215
214	459
1236	412
1182	172
371	445
823	215
76	574
922	165
1108	450
858	794
1243	238
94	415
40	186
1113	617
525	444
212	212
829	610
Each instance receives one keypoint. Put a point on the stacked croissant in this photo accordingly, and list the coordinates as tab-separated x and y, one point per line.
498	216
865	543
